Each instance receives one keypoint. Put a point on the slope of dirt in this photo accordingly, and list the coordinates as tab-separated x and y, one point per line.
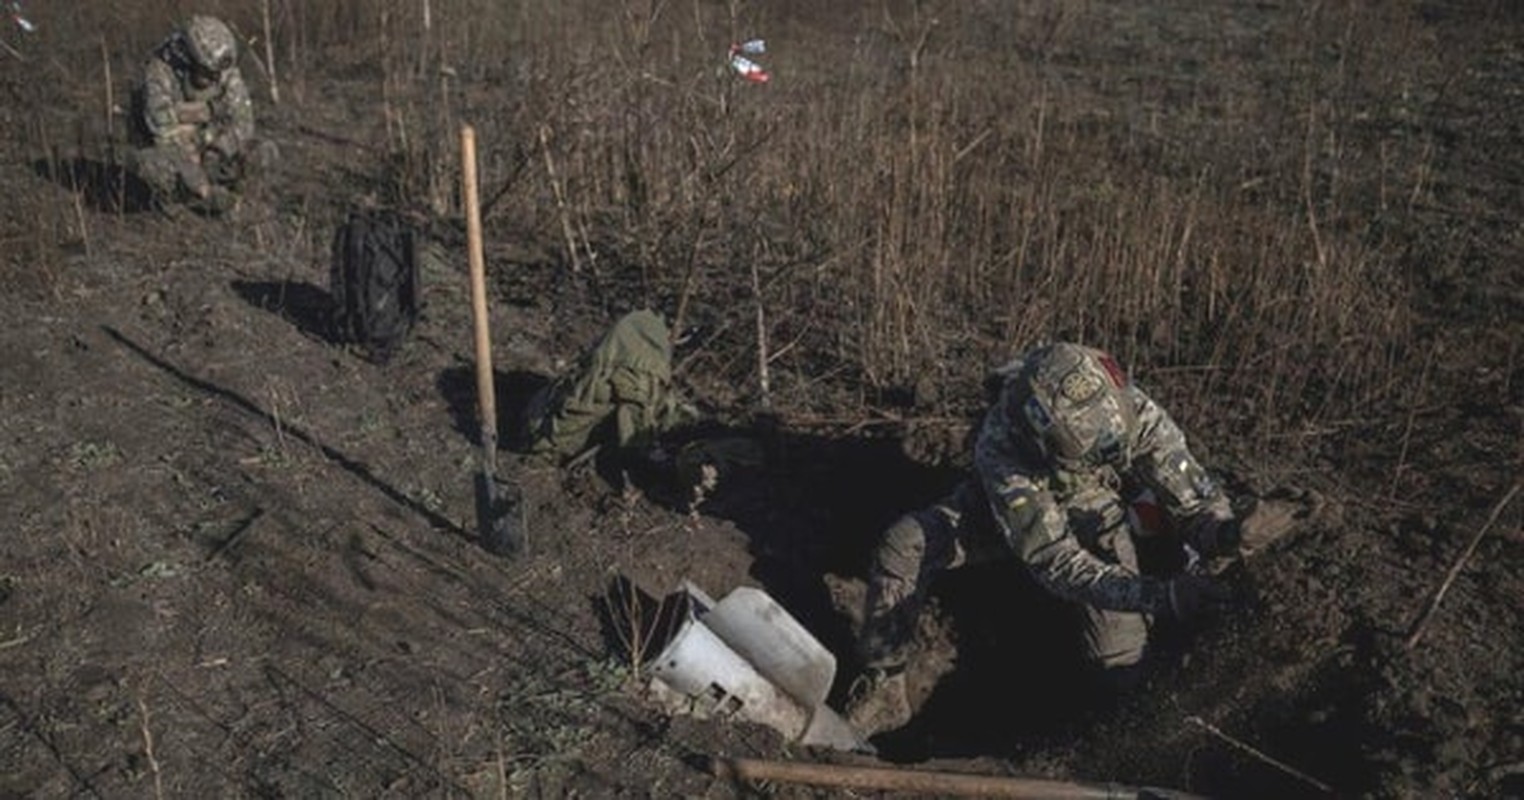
240	560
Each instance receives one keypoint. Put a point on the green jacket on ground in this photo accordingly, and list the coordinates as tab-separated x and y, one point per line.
621	393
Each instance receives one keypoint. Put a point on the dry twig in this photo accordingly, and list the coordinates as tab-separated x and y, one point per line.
1407	431
153	762
110	100
502	769
764	383
1455	568
270	53
555	184
1283	767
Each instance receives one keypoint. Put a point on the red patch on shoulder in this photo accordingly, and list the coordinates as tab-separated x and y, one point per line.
1114	369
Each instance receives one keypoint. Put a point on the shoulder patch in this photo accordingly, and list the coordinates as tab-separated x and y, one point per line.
1022	508
1079	386
1114	370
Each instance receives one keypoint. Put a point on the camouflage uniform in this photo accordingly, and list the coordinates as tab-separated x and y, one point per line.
194	120
1068	436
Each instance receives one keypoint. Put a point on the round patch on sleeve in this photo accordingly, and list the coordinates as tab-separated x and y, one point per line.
1079	386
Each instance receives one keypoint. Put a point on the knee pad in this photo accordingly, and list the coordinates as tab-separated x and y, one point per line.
906	536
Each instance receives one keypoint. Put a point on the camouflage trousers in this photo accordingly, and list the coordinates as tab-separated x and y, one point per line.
960	530
171	170
174	171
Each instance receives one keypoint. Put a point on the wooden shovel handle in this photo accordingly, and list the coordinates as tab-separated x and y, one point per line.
484	390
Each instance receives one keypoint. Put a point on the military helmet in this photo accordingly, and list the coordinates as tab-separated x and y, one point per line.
1073	400
210	43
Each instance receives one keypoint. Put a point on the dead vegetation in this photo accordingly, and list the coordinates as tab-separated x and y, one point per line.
1297	222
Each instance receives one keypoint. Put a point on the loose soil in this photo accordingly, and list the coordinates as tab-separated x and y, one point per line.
240	560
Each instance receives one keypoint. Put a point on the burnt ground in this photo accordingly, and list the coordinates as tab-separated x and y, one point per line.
240	560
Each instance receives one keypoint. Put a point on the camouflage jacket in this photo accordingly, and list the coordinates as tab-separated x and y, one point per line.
1031	498
168	96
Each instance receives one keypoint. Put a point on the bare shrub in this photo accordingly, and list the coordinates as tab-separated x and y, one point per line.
924	188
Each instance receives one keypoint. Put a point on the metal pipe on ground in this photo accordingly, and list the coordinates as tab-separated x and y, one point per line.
950	784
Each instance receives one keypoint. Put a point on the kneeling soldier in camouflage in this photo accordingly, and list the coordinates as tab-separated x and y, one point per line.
193	120
1068	438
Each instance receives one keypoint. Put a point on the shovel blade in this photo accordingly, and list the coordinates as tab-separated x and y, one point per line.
499	517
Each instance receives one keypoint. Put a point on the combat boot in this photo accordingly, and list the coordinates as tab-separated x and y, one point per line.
878	702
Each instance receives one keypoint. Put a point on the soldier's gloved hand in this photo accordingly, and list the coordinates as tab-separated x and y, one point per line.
1215	536
194	112
1191	596
220	167
222	145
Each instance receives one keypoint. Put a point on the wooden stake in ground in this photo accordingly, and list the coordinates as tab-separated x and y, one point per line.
947	784
1460	563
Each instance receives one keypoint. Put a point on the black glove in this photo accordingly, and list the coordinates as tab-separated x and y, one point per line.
220	167
222	144
1215	537
1192	595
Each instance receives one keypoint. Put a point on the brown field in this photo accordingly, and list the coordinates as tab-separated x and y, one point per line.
239	560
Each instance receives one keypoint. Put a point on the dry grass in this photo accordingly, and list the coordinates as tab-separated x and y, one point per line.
924	188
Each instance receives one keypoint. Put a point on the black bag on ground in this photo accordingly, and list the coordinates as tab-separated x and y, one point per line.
374	281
